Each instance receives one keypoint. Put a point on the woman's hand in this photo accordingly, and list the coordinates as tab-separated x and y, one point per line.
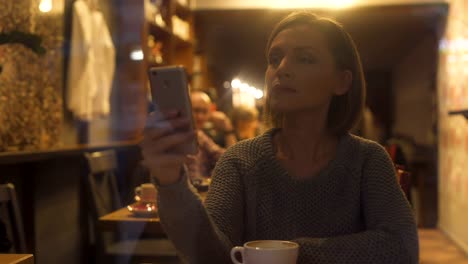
220	121
161	135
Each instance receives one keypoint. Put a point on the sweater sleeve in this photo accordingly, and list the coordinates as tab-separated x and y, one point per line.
390	234
204	235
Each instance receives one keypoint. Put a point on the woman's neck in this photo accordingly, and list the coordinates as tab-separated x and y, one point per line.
305	135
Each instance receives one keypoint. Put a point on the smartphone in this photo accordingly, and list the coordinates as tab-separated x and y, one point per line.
170	90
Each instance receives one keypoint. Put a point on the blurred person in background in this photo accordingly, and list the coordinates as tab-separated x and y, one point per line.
245	121
201	165
214	124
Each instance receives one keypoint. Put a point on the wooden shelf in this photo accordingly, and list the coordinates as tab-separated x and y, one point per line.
182	11
182	43
155	64
463	112
159	32
175	50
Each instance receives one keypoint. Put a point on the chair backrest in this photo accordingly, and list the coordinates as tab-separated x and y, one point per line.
404	179
103	194
102	184
403	175
14	221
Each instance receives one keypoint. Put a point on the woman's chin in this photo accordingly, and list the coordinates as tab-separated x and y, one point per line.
281	107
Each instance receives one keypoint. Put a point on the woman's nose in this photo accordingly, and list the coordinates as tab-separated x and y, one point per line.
284	68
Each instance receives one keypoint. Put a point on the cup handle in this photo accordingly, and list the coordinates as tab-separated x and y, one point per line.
234	250
138	191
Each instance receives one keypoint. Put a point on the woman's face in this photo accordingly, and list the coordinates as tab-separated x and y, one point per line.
301	73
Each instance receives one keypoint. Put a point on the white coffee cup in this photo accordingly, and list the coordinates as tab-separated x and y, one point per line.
267	252
146	193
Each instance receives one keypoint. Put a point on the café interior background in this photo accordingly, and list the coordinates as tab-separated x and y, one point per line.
428	81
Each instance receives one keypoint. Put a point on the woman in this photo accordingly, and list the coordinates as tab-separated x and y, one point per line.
306	179
245	121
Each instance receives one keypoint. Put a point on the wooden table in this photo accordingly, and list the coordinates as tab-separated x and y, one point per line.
16	259
123	221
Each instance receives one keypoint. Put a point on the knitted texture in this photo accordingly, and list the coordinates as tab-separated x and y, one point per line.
353	211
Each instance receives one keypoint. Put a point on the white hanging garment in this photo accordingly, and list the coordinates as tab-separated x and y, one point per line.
104	59
92	64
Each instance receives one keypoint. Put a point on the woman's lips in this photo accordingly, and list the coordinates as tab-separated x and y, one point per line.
283	88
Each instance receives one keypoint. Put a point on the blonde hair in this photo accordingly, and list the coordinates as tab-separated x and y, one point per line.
244	113
344	110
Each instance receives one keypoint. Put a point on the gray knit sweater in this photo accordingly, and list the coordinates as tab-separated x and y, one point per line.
353	211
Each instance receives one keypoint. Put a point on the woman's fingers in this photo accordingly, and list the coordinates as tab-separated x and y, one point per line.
160	118
165	144
163	115
164	160
163	133
163	128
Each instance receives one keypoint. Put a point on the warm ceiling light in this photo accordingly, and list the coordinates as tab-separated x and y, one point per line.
235	83
342	3
45	6
137	54
258	94
313	4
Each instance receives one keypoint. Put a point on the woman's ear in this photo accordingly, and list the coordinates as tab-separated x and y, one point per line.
345	81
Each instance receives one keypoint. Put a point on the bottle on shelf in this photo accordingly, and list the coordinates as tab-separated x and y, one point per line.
155	50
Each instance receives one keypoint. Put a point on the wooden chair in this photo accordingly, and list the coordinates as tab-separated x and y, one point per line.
105	198
404	178
403	175
13	220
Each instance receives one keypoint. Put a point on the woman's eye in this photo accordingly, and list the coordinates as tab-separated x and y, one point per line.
307	59
274	60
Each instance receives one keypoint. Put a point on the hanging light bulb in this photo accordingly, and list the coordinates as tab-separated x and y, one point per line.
45	6
258	94
235	83
137	54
